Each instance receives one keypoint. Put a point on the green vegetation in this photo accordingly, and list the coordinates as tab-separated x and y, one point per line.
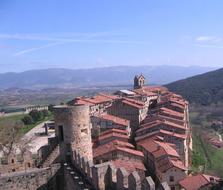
27	121
198	156
204	89
205	157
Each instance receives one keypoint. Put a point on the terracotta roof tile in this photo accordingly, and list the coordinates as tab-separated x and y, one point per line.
171	112
100	98
129	165
134	103
112	134
115	146
114	119
113	130
158	148
197	181
159	123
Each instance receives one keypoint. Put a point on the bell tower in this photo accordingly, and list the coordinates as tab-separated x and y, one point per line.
139	81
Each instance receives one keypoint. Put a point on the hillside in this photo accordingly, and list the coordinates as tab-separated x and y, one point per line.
117	75
202	89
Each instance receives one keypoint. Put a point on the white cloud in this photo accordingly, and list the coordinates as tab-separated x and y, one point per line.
208	39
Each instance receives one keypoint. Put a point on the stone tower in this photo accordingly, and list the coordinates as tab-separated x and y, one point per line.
73	129
139	81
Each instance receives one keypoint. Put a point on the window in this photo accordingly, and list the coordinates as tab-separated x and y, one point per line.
171	178
12	161
84	132
29	165
114	154
61	135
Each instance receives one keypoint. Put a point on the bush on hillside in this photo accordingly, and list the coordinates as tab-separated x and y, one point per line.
27	120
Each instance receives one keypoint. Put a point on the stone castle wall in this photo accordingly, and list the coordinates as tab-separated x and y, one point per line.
28	180
105	176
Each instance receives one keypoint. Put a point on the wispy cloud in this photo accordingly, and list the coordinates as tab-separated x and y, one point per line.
99	37
37	48
208	39
209	46
60	42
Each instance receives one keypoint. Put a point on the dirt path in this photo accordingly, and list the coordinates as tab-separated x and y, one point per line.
37	141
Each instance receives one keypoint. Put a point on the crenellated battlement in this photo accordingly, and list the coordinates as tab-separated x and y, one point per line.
107	176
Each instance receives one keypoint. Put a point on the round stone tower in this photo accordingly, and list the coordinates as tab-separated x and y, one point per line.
73	129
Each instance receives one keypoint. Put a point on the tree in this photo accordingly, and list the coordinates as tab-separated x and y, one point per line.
9	136
36	115
50	107
45	113
24	145
27	120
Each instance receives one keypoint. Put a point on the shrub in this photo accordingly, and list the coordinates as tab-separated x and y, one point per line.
27	120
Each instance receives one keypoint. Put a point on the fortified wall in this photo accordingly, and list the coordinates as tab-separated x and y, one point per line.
73	129
105	176
31	179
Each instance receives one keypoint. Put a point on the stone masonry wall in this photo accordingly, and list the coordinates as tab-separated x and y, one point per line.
75	121
29	180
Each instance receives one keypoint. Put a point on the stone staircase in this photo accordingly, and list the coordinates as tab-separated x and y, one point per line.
52	157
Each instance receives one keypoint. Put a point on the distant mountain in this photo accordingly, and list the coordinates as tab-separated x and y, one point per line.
117	75
202	89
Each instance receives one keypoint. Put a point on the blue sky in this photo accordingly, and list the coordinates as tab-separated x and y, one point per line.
39	34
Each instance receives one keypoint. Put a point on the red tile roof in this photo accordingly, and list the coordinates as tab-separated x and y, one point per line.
133	103
120	131
165	163
114	119
115	145
171	112
129	165
159	117
100	98
197	181
177	135
112	134
155	89
131	151
158	148
159	123
144	91
160	135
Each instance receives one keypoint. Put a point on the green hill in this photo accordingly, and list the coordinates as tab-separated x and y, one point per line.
201	89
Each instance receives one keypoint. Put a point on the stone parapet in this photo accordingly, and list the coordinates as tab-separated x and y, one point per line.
106	176
28	180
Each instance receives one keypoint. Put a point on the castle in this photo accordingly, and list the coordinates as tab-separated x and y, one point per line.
133	139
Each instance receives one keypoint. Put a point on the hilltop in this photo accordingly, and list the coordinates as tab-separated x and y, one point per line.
202	89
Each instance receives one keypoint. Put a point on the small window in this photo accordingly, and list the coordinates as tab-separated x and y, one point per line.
29	165
61	135
84	131
171	178
114	154
12	161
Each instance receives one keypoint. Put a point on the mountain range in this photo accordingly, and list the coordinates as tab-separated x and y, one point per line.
116	75
202	89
